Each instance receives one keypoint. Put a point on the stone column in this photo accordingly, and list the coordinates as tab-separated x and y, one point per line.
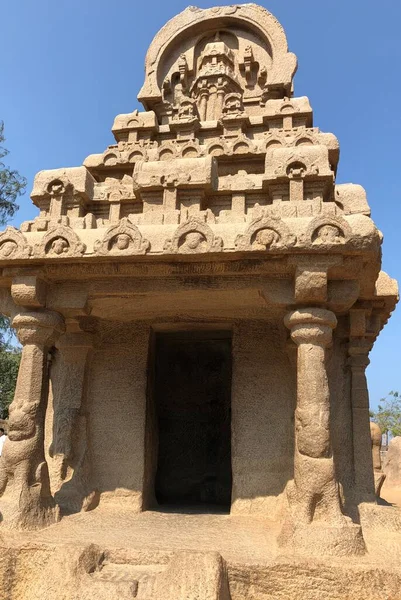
363	468
23	463
203	101
315	486
221	92
317	524
70	441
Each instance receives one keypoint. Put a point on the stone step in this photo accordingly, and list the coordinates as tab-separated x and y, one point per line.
140	577
187	576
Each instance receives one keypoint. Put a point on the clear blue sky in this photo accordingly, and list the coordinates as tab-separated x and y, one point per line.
69	66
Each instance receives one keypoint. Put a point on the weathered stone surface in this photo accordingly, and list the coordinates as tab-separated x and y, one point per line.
392	463
214	221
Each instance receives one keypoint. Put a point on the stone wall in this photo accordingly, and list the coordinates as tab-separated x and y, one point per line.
117	392
263	400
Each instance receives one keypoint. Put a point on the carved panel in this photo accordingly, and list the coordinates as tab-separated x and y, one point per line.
328	232
122	239
265	233
60	242
13	245
193	237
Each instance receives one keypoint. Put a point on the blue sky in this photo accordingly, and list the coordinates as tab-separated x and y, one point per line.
69	66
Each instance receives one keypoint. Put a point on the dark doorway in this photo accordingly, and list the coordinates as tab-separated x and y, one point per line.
192	392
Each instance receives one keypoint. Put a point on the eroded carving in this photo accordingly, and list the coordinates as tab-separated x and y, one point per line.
122	239
328	232
193	237
13	244
22	463
266	233
233	104
60	242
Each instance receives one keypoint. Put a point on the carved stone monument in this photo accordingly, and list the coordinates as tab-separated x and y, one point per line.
196	306
379	475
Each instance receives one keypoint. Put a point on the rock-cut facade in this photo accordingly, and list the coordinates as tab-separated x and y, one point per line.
210	239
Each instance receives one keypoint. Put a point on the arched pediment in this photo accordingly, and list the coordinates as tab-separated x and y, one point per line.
60	242
252	39
13	245
193	237
122	239
266	233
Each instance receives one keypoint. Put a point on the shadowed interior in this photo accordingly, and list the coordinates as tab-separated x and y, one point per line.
192	395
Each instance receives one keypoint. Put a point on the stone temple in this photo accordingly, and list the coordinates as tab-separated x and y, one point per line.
196	307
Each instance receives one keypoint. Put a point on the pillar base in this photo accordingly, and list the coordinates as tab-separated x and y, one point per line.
29	512
319	539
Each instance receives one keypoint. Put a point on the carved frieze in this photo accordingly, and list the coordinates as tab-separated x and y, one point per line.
193	237
122	239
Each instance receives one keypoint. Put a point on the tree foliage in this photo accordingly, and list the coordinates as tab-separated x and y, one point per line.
9	365
388	414
12	185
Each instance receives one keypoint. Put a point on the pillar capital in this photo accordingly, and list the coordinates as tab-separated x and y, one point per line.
311	325
358	361
358	354
38	327
74	346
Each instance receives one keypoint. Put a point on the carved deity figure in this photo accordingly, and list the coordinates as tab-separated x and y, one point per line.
8	248
193	242
59	246
265	238
121	242
329	234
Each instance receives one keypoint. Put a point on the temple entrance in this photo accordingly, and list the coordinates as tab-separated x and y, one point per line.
192	401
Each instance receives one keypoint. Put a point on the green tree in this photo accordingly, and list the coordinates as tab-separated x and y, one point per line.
388	415
12	185
9	365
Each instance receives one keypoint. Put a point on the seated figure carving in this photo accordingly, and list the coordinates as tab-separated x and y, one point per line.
8	248
329	234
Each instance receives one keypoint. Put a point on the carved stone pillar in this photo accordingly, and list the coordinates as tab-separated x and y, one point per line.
70	441
363	469
221	92
203	101
22	464
316	521
314	479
